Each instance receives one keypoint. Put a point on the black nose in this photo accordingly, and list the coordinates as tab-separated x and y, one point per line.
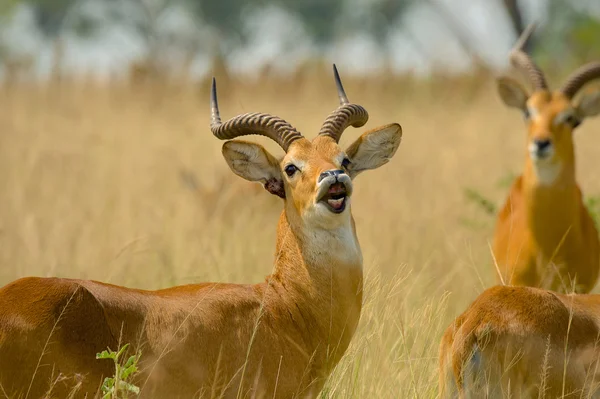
334	173
542	144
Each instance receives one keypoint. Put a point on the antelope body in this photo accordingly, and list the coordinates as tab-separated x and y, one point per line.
523	342
544	235
280	338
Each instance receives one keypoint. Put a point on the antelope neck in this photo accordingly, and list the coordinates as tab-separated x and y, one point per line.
321	273
552	208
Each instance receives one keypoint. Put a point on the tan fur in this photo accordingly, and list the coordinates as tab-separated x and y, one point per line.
544	234
518	341
280	338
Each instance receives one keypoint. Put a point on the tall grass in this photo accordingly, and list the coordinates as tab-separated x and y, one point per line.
126	184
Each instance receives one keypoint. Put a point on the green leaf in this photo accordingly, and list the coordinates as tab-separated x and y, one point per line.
107	354
132	359
123	349
107	387
128	371
126	386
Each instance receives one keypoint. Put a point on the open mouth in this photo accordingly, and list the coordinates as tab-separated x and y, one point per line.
335	198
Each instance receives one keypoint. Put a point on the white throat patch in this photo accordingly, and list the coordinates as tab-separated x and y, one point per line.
339	243
546	172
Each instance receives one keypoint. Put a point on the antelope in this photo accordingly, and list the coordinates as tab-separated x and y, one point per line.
544	235
523	342
278	338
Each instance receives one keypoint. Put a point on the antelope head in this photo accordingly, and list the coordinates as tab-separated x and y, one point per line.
314	177
551	116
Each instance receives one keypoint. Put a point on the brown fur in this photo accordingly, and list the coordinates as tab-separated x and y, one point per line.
544	234
516	341
279	338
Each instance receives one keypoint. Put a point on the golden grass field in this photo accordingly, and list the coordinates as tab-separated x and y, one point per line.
126	184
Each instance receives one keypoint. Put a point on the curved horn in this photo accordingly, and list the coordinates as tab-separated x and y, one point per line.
580	77
345	115
261	124
523	62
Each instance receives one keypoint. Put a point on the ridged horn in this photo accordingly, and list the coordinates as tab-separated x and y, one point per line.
580	77
257	123
345	115
523	62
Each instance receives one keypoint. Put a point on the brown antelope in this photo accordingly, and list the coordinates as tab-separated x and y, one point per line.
280	338
544	235
523	342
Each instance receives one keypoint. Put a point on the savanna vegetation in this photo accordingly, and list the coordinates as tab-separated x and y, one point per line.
124	183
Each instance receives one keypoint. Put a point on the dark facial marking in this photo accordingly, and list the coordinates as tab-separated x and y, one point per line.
275	186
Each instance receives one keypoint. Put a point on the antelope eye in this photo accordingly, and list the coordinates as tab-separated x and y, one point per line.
345	163
290	170
571	120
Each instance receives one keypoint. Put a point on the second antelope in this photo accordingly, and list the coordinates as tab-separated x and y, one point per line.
279	338
544	235
523	342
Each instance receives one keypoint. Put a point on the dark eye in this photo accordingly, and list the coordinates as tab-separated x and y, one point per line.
572	120
290	170
345	163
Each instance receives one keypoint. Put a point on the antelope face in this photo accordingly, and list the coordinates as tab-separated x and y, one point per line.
551	120
551	116
318	175
314	177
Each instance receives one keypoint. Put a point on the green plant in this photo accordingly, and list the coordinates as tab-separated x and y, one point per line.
484	203
506	181
118	386
592	204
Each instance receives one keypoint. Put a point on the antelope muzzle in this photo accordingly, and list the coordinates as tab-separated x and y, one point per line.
334	187
540	149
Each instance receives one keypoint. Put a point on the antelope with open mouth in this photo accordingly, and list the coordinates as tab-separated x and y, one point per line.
280	338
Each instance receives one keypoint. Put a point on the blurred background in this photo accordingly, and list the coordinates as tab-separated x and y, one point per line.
107	38
108	169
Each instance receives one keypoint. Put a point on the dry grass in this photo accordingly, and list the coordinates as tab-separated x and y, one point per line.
127	185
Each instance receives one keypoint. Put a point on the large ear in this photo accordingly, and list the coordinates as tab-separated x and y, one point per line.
589	105
252	162
373	149
512	93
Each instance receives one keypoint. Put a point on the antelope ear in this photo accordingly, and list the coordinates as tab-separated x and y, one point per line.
252	162
512	93
373	149
589	105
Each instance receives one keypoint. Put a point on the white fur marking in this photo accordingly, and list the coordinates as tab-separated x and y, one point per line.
533	112
339	243
546	172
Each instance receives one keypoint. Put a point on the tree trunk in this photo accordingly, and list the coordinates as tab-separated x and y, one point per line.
516	18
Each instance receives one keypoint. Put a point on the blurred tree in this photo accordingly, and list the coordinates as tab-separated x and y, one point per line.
461	33
50	15
225	16
379	17
570	36
224	20
7	6
320	17
516	18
